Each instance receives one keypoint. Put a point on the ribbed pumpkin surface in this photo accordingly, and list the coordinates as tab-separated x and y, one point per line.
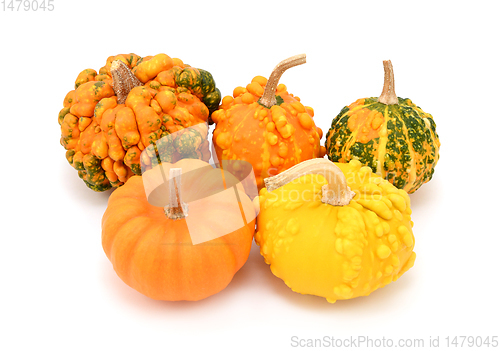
155	255
398	142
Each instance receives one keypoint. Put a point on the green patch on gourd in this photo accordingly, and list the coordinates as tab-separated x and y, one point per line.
363	152
279	101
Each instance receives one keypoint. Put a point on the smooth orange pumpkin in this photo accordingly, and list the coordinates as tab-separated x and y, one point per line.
151	248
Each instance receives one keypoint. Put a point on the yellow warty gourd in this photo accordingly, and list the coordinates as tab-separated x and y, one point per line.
334	230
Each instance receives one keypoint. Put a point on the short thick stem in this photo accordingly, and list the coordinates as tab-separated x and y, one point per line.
176	209
388	95
123	80
268	98
336	192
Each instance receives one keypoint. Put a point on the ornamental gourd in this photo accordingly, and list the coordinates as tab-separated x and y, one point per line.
151	247
391	135
133	101
266	125
334	230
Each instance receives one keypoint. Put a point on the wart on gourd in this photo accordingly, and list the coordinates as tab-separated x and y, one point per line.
279	130
112	116
391	135
363	242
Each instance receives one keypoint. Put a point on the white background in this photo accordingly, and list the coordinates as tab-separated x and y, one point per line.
59	291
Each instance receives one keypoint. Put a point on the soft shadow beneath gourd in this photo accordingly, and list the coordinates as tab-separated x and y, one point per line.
378	301
256	275
426	194
74	185
133	299
243	280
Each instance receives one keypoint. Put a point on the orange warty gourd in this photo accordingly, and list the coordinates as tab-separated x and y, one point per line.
151	247
133	101
266	126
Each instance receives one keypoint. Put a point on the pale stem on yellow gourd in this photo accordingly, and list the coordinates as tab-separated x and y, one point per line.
388	95
336	192
176	208
268	98
123	80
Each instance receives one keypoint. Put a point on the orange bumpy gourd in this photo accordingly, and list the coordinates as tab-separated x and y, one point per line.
266	125
113	115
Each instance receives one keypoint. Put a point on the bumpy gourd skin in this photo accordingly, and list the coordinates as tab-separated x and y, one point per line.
338	252
104	139
399	142
271	139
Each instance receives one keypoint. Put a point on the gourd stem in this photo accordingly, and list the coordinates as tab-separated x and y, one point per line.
123	80
388	95
268	98
336	192
176	209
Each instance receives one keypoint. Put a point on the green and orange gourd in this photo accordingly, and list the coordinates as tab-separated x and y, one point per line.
113	115
389	134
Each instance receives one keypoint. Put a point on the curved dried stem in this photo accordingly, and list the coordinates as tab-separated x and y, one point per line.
268	98
388	95
123	80
336	192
